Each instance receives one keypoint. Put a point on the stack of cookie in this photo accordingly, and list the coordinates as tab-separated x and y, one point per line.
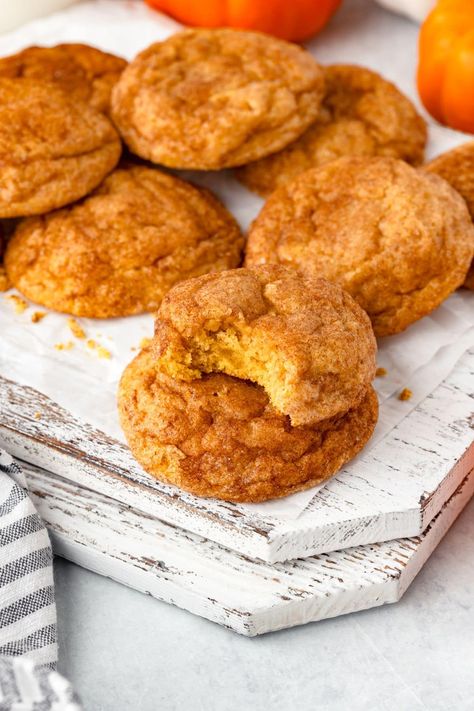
257	382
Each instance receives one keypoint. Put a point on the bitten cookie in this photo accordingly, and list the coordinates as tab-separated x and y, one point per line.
84	73
457	167
361	114
209	99
399	240
219	436
304	340
122	248
52	150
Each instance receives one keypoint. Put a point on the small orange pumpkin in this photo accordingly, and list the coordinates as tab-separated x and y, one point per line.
291	20
446	63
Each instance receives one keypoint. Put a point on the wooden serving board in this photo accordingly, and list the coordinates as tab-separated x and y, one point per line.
394	490
198	575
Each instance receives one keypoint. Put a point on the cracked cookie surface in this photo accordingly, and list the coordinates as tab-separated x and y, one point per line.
361	114
209	99
122	248
219	436
304	340
399	240
84	73
52	150
457	167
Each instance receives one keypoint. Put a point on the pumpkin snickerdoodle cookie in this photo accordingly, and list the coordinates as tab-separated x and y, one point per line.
399	240
219	436
209	99
52	150
457	167
85	73
122	248
304	340
361	114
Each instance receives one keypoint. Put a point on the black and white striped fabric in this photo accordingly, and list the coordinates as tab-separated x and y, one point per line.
28	647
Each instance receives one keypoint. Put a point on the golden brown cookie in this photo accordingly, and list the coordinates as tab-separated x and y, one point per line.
362	114
209	99
219	436
4	285
304	340
84	73
457	167
52	150
121	249
399	240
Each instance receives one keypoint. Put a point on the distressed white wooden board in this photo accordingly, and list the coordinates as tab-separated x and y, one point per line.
200	576
393	491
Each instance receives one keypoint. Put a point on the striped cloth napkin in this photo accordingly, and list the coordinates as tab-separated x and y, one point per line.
28	647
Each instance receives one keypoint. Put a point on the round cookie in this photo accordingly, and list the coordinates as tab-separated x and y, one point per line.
219	436
121	249
457	167
399	240
52	150
361	114
209	99
84	73
304	340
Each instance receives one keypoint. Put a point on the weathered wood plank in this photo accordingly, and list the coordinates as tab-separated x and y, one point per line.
392	491
200	576
77	451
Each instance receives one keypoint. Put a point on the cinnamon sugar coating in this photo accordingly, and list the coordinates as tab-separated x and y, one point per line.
304	340
219	436
362	114
53	150
399	240
83	72
123	247
210	99
457	167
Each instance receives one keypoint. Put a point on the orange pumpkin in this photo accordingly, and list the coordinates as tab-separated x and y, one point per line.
446	63
288	19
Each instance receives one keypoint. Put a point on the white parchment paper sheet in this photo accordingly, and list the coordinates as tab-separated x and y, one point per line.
85	384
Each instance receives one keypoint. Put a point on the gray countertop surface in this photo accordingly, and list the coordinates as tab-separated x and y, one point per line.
124	651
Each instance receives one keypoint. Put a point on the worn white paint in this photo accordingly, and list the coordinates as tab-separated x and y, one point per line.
392	491
200	576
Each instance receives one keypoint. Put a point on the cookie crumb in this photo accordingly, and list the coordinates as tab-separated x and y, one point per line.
101	351
4	282
19	304
76	329
405	394
64	346
380	372
104	353
38	415
145	342
38	316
